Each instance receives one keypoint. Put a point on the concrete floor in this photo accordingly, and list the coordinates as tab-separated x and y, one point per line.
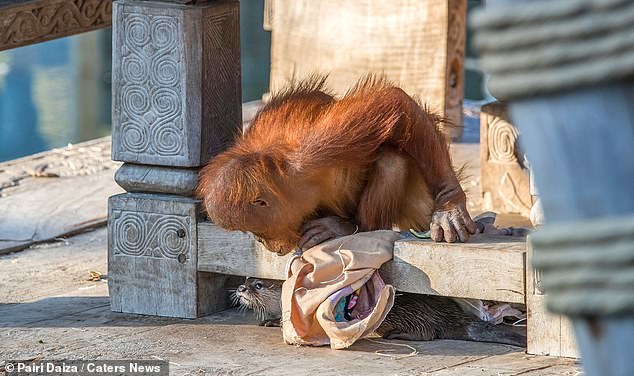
49	310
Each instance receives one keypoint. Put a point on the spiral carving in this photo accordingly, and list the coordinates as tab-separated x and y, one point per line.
168	140
151	235
134	137
151	96
502	142
138	32
165	71
34	22
164	31
134	70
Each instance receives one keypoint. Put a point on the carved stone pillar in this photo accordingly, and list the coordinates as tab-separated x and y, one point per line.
176	103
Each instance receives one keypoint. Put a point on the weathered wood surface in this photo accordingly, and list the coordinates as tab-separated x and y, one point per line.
176	81
547	333
487	267
55	193
589	210
143	178
152	258
24	22
236	253
504	177
52	269
418	44
176	103
61	315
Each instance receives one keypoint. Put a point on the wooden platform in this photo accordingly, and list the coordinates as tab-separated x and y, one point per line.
487	267
49	310
55	193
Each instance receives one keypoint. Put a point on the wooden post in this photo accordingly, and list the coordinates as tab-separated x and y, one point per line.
176	103
547	333
568	73
418	44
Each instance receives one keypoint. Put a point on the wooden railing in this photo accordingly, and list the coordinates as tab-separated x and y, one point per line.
24	22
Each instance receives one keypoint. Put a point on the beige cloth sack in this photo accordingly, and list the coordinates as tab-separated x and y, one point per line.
322	275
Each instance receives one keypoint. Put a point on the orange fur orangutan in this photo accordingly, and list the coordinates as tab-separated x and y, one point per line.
311	168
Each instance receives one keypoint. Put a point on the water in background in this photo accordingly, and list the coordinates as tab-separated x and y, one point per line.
59	92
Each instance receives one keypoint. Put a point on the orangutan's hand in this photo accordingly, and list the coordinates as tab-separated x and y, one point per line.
319	230
452	225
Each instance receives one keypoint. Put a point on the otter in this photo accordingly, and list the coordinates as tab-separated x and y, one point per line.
264	296
414	317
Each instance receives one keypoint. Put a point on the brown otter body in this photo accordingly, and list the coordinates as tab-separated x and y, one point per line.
413	317
418	317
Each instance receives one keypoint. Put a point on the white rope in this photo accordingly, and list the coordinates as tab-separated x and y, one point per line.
392	356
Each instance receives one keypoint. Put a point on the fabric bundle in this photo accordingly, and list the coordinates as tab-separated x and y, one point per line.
334	293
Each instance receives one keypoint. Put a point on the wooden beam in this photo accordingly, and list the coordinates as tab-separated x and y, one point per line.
485	268
24	22
236	253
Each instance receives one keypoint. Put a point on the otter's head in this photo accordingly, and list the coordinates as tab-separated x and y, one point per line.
258	192
260	295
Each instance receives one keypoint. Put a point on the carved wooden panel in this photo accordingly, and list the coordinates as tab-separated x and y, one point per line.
150	90
176	82
26	21
149	234
504	176
152	254
221	81
156	226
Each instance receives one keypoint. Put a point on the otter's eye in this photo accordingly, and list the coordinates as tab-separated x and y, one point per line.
258	285
259	202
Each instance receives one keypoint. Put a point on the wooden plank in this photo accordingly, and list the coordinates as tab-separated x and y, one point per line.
514	363
418	44
485	268
56	193
454	64
236	253
24	22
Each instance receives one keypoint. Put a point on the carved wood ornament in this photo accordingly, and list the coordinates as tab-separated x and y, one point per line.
29	22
